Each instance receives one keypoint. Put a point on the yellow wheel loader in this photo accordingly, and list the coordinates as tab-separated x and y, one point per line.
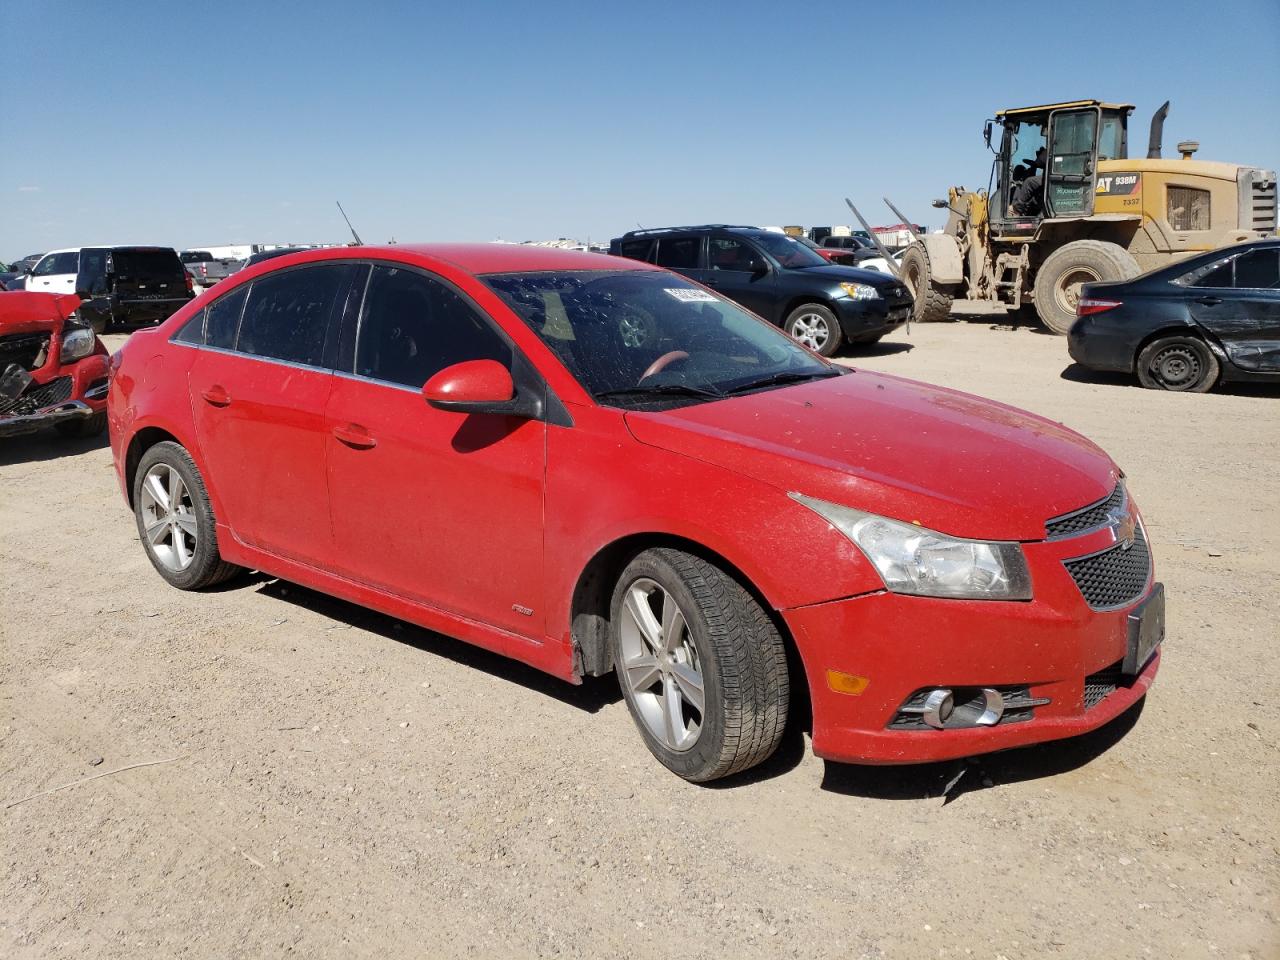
1066	206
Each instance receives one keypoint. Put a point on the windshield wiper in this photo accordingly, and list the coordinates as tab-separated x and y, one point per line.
661	390
777	379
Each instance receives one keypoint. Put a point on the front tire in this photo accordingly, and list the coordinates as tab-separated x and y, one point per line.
1067	269
701	665
932	305
1184	364
816	327
175	519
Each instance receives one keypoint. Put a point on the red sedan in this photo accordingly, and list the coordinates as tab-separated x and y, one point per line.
53	368
594	465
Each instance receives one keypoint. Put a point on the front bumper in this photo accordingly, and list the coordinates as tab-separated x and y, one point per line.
859	318
85	395
31	422
902	644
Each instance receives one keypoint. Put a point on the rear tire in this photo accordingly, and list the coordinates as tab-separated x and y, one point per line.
82	427
182	542
1058	281
932	305
683	631
1183	364
816	327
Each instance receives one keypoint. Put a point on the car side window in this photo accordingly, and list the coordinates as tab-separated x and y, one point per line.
1258	270
45	266
1218	275
412	327
193	330
679	253
636	249
729	254
224	320
288	313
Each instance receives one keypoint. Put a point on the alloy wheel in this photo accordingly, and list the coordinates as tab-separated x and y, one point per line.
811	330
661	666
168	517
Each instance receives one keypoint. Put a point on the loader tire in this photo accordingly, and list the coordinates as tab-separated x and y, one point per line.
1058	281
931	303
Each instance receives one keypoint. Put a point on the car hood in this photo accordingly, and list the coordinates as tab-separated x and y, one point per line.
837	272
947	460
23	311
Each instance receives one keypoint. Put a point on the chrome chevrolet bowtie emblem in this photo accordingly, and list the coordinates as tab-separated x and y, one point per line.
1122	526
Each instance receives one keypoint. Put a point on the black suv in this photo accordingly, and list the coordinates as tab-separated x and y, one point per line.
821	304
129	286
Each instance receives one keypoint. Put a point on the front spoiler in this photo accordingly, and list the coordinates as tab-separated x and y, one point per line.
31	422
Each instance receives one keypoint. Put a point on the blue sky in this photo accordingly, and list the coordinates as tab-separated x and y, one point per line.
201	123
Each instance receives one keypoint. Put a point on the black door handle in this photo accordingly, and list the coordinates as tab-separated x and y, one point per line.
1209	301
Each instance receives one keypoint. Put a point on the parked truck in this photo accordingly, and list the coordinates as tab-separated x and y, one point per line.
206	269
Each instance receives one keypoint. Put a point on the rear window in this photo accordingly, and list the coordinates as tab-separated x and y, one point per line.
636	249
679	253
196	256
129	263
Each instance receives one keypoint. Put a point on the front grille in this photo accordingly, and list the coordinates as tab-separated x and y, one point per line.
1098	686
27	350
1086	518
1116	576
39	397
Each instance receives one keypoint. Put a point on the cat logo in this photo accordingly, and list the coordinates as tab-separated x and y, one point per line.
1119	184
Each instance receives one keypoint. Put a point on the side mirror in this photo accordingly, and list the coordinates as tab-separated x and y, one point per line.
986	133
473	386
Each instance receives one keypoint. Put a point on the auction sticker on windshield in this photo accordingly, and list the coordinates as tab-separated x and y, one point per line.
686	295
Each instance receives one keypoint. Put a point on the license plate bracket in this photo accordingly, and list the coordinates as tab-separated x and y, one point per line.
1146	632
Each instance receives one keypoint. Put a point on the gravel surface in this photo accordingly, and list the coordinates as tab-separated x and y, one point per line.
344	785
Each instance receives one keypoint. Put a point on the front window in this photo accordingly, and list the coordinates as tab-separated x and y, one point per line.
788	251
649	340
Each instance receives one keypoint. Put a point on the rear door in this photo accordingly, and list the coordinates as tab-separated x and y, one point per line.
1071	164
1239	303
258	391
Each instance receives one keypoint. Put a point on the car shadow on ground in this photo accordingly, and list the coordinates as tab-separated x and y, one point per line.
931	780
593	694
881	349
1076	373
46	444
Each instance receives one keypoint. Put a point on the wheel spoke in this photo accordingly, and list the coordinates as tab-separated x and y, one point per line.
642	672
156	490
177	489
672	719
672	623
155	530
689	682
637	607
180	549
187	522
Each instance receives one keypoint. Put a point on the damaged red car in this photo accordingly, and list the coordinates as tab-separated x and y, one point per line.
597	466
53	368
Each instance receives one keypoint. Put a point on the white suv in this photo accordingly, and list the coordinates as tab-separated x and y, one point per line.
56	272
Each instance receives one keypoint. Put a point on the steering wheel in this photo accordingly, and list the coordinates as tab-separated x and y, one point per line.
662	363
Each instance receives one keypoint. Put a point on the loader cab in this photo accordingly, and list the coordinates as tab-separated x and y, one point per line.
1046	161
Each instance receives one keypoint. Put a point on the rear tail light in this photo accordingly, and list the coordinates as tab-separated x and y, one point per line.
191	284
1089	305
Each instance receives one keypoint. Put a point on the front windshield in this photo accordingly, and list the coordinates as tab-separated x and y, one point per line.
648	339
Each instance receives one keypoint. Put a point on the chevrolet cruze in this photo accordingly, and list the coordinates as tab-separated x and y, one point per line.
594	465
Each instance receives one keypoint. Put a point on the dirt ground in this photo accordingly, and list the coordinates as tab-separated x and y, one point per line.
343	785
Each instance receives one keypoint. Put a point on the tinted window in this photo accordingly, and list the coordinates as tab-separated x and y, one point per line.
193	330
224	318
787	251
287	316
58	263
1212	275
142	265
679	253
1258	270
92	275
729	254
412	327
636	249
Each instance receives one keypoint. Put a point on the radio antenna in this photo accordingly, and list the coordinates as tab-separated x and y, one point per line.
359	242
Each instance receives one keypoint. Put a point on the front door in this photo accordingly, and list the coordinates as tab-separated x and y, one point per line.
1239	303
438	507
743	274
1071	164
258	391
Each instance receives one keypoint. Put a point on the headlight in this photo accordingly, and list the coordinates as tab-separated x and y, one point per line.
860	291
77	341
913	560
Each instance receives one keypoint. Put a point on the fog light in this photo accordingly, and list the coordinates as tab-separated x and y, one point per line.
975	708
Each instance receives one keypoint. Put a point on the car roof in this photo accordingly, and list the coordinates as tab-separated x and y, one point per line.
476	258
